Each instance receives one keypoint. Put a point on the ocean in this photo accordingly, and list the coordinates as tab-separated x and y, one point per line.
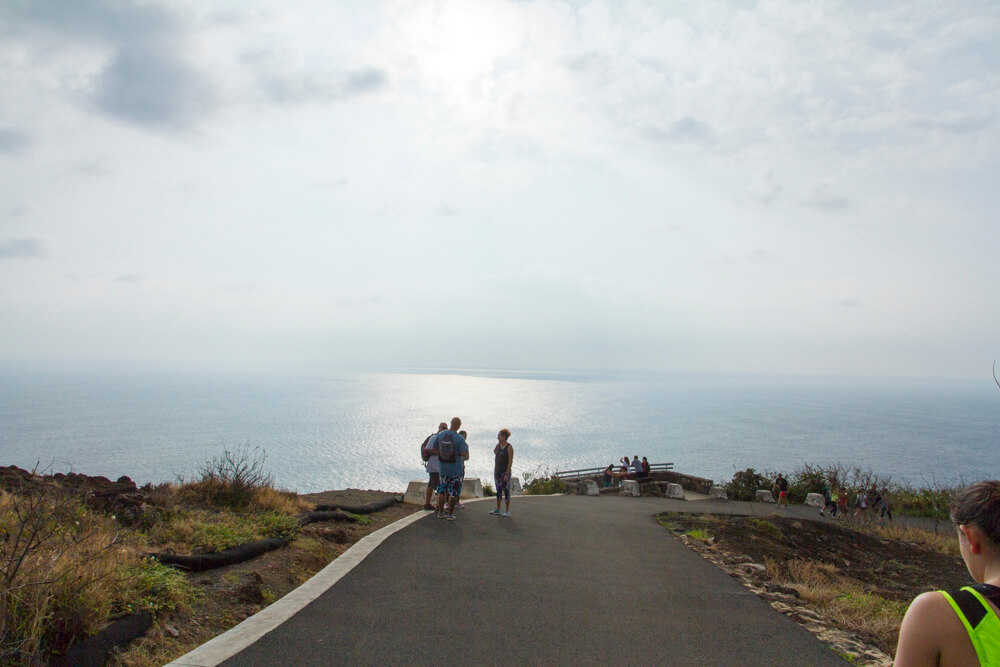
363	429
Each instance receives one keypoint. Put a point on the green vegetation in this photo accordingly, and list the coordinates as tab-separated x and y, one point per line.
928	501
767	528
698	534
68	569
539	483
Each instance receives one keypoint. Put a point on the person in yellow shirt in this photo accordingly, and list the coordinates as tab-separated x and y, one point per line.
961	627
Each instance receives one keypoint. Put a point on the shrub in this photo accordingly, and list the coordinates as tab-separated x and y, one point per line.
542	483
745	483
234	477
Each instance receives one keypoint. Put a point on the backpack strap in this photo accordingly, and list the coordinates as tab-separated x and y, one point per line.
970	606
990	592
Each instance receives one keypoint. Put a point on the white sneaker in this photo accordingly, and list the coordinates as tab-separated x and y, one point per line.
494	511
507	514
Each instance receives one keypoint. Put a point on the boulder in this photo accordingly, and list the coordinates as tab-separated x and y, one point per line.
675	491
815	500
764	496
718	492
629	487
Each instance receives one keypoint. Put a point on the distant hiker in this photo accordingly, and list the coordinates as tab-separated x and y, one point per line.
781	484
842	503
502	466
432	464
636	467
885	510
861	504
828	501
645	468
961	627
452	453
609	475
459	505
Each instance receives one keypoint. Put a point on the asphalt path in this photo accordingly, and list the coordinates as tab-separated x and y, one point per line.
566	580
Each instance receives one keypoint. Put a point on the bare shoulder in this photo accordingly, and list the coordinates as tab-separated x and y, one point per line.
931	634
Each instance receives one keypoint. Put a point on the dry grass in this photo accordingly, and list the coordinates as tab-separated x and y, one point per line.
946	543
286	502
841	600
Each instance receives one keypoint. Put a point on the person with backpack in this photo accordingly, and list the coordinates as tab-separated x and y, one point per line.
432	464
781	484
961	627
452	452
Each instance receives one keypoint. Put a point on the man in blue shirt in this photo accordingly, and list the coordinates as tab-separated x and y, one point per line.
452	452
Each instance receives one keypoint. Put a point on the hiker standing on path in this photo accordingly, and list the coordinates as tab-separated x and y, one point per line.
504	453
465	436
452	452
636	467
781	484
432	464
961	627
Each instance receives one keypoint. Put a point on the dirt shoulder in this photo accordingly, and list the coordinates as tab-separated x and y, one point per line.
848	587
231	594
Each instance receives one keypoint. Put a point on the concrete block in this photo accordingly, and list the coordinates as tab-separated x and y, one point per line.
472	487
764	496
630	487
815	500
675	491
415	493
718	492
515	487
588	487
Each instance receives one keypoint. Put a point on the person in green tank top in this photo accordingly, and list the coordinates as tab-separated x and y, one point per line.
961	627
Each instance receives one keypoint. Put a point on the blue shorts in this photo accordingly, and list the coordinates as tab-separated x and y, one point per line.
451	485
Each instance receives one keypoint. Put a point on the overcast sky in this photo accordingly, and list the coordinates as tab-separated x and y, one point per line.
760	187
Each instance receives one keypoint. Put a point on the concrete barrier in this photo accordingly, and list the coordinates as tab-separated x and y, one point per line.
815	500
764	496
415	493
675	491
588	487
630	487
718	492
515	487
471	488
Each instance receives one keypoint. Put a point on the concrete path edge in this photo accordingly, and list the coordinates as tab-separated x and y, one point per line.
232	641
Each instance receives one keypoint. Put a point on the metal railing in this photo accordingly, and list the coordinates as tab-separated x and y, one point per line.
595	472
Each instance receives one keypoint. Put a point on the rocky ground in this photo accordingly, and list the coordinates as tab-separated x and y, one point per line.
892	569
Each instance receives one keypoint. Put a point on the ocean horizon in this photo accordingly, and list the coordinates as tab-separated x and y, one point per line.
362	428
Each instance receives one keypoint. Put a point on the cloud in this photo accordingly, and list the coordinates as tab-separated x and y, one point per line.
824	198
332	184
322	87
446	210
849	303
18	211
27	248
765	191
149	86
955	122
12	141
360	302
129	278
685	130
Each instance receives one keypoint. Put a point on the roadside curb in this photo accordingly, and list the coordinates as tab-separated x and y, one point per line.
239	637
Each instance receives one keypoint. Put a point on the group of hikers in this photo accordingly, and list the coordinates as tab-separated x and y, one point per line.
837	500
444	455
634	469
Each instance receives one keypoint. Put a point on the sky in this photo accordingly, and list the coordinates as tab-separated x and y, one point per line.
779	187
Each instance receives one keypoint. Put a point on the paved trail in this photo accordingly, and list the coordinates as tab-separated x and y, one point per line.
566	580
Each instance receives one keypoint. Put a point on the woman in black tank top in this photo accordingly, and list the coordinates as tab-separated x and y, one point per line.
504	454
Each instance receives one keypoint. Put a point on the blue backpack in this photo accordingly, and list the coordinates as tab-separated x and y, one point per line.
446	447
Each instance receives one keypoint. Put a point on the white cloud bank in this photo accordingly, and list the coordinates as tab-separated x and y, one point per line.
752	187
